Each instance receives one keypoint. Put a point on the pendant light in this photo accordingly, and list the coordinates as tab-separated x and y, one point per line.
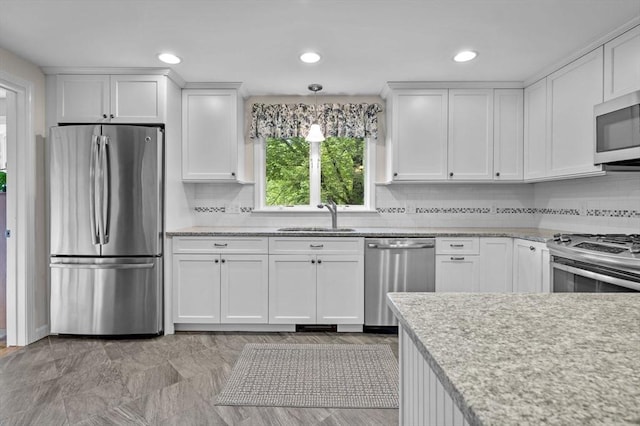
315	133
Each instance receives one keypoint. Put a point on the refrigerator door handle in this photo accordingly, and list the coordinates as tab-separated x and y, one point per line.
106	183
101	172
95	144
101	266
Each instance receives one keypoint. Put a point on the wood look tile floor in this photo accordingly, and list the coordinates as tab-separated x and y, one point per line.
169	380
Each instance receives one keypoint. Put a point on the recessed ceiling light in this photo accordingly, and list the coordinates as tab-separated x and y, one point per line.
465	55
169	58
310	57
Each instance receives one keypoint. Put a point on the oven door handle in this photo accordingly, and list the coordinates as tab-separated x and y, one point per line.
596	276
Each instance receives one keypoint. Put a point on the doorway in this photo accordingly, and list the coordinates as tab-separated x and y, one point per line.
3	217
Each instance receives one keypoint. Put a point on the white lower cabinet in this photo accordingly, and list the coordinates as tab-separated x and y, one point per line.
316	281
220	281
292	289
244	289
496	265
530	267
196	288
455	273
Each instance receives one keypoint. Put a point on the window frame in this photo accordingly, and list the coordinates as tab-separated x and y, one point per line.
260	178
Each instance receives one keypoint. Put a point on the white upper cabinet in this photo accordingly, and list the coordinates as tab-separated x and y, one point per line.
622	64
508	134
572	92
210	135
535	130
470	134
87	98
418	135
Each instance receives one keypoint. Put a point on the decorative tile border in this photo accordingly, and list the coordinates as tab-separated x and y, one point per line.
201	209
482	210
472	210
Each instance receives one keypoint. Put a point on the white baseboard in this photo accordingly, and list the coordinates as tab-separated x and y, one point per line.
236	327
350	328
40	333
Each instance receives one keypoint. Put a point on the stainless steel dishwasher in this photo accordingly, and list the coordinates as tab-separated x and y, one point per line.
395	265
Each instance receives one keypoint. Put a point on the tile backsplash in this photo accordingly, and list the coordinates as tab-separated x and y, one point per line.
606	204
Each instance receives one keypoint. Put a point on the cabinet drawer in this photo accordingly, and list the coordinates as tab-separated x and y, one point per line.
470	245
220	245
302	245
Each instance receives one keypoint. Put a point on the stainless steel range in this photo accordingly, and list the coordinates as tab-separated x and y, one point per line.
595	263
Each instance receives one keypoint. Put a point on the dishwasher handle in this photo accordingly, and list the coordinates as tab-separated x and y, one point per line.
400	246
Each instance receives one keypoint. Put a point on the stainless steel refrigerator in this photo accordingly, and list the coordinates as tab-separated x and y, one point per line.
105	197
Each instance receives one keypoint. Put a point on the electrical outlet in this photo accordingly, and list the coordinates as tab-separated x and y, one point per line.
232	208
409	208
494	209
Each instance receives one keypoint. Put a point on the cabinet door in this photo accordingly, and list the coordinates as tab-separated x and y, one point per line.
82	98
622	64
507	139
244	289
419	135
527	266
496	265
138	98
457	273
292	289
572	93
340	289
209	135
470	134
196	288
535	130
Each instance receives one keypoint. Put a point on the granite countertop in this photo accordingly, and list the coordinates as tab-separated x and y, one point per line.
532	234
564	358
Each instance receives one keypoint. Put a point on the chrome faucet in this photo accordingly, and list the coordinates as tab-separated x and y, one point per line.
333	209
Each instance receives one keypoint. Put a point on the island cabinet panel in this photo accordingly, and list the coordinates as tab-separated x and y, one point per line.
622	64
423	398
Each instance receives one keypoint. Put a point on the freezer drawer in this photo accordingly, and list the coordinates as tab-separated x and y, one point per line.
106	296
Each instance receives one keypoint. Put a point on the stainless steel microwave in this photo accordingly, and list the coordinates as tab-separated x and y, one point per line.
617	130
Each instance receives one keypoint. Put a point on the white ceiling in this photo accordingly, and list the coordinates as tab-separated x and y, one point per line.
363	43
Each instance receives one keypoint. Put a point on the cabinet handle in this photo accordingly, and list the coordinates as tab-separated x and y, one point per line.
457	258
395	174
532	248
216	261
112	116
497	174
233	174
456	245
319	261
450	174
219	244
104	115
313	261
316	245
223	260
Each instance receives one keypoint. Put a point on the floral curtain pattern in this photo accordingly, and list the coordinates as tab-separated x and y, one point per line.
293	120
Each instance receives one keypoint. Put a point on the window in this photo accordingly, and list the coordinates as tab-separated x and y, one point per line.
298	175
294	175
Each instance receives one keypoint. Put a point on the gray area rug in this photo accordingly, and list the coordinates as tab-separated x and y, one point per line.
306	375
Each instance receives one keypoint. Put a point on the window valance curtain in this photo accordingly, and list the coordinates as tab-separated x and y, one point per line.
293	120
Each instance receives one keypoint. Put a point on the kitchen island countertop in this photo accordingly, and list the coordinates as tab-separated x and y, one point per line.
531	234
569	358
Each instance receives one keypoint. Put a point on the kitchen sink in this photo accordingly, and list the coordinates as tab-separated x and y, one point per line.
315	229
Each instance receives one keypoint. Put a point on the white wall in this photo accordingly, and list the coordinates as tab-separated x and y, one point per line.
25	70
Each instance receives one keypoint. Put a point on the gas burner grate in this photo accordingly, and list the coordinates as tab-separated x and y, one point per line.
600	247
